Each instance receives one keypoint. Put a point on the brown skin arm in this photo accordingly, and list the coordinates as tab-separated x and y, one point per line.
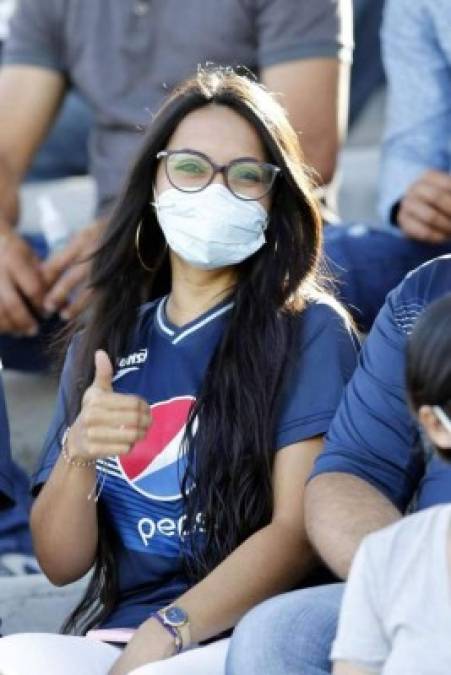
29	100
321	117
340	510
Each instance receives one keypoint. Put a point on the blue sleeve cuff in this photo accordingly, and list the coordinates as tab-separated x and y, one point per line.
325	464
303	429
39	478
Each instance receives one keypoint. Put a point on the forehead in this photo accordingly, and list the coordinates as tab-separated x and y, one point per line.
219	132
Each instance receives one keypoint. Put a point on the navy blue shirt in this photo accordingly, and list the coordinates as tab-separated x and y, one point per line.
141	491
373	435
6	484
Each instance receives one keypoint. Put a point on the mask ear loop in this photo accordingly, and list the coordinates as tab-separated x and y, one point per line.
137	246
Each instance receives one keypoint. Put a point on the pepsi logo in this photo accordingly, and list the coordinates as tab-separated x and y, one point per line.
156	465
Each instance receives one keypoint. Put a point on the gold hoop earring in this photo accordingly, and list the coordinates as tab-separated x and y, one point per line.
138	252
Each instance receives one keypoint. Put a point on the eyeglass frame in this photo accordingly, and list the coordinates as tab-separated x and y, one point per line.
219	168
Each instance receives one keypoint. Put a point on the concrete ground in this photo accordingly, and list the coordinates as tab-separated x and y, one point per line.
31	603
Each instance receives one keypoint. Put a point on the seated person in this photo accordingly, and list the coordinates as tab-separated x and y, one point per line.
371	471
65	151
236	356
396	611
415	178
123	58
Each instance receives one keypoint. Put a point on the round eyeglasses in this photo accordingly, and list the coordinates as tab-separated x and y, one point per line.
191	171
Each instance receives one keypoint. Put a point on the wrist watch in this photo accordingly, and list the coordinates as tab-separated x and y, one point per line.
176	621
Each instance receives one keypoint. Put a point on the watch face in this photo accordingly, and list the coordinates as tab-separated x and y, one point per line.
176	616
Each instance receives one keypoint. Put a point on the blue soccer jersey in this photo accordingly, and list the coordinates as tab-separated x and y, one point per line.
373	435
141	491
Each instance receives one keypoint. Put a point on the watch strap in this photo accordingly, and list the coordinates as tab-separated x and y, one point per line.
185	634
178	619
178	641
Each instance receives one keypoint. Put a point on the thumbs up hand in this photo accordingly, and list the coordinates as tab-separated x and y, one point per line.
104	372
109	424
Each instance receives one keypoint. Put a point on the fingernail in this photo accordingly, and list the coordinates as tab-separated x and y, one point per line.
64	315
49	307
32	332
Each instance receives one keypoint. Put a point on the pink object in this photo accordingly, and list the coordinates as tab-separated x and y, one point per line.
118	635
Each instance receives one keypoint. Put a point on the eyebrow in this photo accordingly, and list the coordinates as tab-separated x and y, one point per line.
243	158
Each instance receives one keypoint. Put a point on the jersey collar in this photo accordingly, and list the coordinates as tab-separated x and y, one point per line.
178	333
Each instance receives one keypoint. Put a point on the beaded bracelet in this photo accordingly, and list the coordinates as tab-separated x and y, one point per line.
72	461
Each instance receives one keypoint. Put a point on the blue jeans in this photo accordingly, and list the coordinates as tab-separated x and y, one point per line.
291	634
368	262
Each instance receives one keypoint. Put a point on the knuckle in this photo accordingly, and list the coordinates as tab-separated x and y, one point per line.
429	175
434	193
89	415
442	201
10	304
34	290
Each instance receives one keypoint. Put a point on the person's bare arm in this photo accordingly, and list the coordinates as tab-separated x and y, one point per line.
29	100
315	92
340	510
108	425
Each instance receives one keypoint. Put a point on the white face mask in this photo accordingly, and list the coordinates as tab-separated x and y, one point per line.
212	228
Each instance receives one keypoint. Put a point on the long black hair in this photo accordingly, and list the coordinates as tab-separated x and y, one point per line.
237	405
428	372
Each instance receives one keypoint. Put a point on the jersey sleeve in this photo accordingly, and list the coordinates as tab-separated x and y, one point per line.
58	425
288	30
373	435
6	485
361	638
35	37
324	362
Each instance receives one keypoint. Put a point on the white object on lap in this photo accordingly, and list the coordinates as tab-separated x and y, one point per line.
208	660
51	654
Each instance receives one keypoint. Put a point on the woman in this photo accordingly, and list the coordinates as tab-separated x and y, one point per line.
396	613
207	405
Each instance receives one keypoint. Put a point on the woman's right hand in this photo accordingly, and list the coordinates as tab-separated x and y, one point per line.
109	424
